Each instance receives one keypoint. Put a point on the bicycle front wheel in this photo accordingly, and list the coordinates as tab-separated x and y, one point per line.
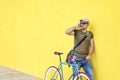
52	73
81	76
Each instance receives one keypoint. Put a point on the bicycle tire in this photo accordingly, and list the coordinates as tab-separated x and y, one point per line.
81	76
52	73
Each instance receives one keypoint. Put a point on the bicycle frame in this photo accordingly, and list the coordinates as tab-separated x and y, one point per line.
61	69
67	64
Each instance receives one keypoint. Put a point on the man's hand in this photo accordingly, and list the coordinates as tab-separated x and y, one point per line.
88	57
77	26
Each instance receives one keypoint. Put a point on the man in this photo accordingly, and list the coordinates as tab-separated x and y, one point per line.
84	51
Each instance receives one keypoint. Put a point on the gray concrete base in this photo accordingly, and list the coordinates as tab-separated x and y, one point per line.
10	74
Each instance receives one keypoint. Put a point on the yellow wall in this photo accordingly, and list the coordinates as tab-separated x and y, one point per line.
31	30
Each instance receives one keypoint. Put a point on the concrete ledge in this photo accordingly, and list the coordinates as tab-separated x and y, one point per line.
10	74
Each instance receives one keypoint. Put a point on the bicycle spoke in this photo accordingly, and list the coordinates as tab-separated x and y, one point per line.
52	74
81	76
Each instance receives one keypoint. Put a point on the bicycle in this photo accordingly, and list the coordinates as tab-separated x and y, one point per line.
54	73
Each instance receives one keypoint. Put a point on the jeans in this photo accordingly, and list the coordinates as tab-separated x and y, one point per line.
82	63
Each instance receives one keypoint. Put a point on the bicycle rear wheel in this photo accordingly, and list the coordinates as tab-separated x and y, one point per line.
52	73
81	76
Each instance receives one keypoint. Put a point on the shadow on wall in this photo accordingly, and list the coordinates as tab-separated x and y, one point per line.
94	54
94	60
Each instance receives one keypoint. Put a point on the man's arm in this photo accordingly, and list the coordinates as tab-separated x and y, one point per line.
91	46
91	49
70	31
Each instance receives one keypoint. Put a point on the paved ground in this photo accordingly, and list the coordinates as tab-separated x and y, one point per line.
10	74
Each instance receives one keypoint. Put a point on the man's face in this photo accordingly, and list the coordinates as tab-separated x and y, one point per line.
83	25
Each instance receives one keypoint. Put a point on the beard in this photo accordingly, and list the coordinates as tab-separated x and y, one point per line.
82	28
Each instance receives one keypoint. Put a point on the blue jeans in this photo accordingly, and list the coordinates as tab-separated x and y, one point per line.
83	63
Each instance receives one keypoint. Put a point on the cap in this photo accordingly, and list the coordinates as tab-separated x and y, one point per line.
85	19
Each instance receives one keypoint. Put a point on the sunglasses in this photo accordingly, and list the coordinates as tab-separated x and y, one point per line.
83	23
